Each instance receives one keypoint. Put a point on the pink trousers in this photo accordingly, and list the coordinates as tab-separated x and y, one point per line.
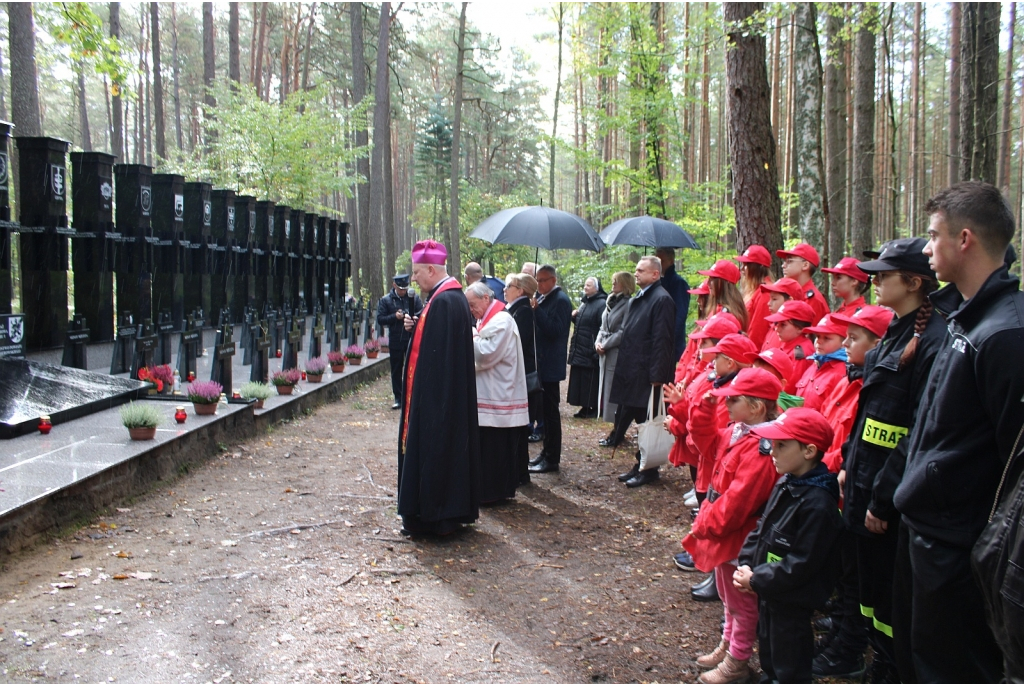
740	614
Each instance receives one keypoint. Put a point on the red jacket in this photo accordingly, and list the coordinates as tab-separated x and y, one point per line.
851	308
757	309
840	409
683	450
800	366
817	301
743	478
818	382
717	414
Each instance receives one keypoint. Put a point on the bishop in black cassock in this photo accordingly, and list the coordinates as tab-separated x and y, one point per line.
439	440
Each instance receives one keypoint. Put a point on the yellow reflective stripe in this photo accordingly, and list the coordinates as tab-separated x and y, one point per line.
883	628
882	434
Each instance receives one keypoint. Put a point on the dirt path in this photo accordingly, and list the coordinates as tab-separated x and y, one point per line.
280	560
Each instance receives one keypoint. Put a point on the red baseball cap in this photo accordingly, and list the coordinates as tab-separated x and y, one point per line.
776	358
828	326
755	254
847	266
701	289
786	286
724	269
872	317
718	326
804	425
795	310
752	383
804	251
735	346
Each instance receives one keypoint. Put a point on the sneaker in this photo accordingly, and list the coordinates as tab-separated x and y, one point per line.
690	493
690	502
835	663
684	562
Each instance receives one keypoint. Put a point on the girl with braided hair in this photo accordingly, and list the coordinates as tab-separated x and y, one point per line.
874	456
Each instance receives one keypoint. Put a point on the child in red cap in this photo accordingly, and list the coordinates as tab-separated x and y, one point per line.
742	481
790	560
800	263
790	321
778	293
848	285
755	263
829	362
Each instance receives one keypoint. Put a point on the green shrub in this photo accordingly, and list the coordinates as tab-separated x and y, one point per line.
140	416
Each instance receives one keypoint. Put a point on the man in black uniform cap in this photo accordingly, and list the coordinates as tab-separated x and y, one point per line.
391	312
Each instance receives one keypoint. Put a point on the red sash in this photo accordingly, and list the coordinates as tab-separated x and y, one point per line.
414	353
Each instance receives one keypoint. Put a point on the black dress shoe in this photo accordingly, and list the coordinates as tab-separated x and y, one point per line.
629	475
544	466
693	513
607	442
705	591
538	459
396	405
581	413
643	478
535	437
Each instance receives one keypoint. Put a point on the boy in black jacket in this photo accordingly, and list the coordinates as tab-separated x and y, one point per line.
790	559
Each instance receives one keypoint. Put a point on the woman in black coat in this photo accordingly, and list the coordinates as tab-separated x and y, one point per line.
584	363
519	290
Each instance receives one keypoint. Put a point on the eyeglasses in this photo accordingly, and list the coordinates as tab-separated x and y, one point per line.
545	280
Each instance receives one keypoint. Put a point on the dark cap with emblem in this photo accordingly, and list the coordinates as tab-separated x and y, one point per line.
902	254
401	280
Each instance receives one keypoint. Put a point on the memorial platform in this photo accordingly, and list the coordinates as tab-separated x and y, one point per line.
50	482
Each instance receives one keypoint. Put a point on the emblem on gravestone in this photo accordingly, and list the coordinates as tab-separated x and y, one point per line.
231	219
3	168
107	191
179	206
270	226
146	199
16	328
252	221
287	227
57	181
207	213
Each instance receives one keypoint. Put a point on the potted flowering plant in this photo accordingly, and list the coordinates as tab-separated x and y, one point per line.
315	368
354	354
254	390
141	420
286	380
161	377
372	348
204	396
337	361
385	344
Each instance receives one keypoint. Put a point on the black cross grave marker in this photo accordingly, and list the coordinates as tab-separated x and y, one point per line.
145	347
316	335
124	346
75	349
223	352
290	358
260	370
188	348
165	333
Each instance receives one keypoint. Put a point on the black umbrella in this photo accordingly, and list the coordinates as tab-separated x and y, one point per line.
539	227
647	231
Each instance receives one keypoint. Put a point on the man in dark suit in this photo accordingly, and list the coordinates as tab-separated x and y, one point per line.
646	358
679	289
552	317
391	312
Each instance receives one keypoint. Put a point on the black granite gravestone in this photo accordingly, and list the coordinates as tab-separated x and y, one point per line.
93	255
222	231
76	344
310	232
261	245
6	279
282	296
168	218
296	264
198	222
133	218
243	290
44	240
320	236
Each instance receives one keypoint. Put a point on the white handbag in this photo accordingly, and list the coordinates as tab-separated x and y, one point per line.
653	440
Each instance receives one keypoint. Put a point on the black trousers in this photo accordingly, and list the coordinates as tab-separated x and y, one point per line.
624	417
940	633
876	560
397	360
552	424
785	642
852	635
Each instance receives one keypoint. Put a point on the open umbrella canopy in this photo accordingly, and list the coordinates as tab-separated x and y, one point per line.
647	231
539	227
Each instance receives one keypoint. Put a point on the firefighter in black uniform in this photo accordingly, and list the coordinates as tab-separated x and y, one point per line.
391	312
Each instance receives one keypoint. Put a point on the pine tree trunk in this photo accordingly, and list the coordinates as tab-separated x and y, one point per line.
913	159
455	258
751	142
807	126
979	60
360	226
560	18
83	109
24	84
309	47
257	77
955	29
1004	144
861	212
379	233
158	82
234	60
835	129
175	75
209	63
117	110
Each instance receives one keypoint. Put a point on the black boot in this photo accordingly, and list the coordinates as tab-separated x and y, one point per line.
706	590
629	475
